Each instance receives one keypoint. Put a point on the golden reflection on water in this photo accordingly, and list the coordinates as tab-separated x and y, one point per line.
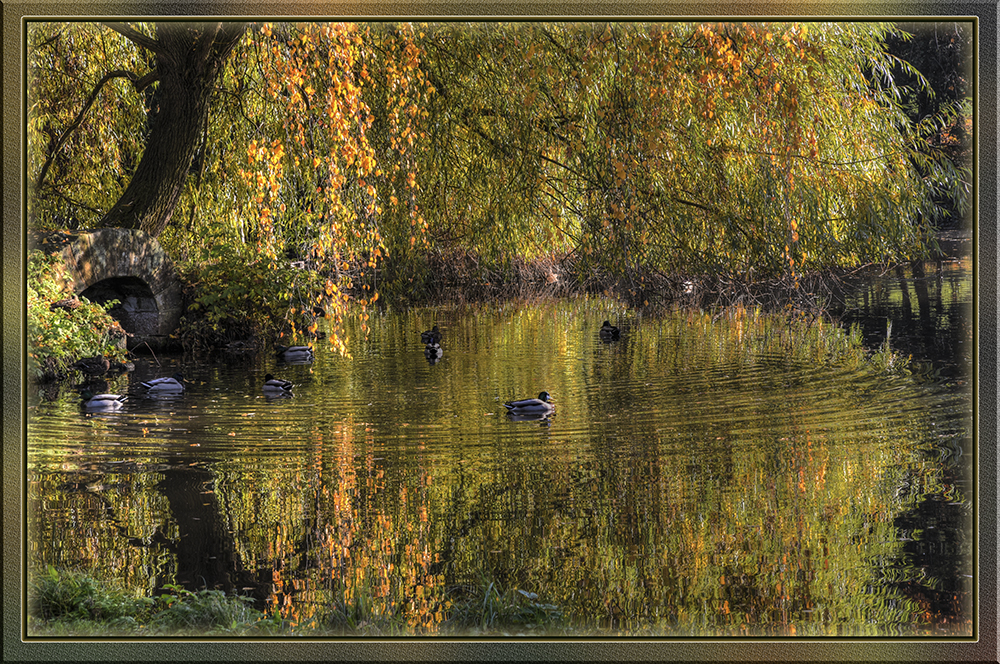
698	476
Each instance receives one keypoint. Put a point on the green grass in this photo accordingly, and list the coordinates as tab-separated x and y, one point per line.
64	603
487	609
67	604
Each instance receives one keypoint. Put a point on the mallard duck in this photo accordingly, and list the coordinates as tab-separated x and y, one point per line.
295	353
97	365
173	383
609	332
530	406
274	385
93	401
431	336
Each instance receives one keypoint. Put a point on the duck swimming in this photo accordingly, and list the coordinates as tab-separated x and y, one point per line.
609	332
97	365
277	386
93	401
431	336
169	384
537	406
293	354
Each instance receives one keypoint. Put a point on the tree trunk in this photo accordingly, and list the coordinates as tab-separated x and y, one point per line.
189	57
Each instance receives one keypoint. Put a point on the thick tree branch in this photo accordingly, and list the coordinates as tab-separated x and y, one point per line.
189	58
142	83
229	35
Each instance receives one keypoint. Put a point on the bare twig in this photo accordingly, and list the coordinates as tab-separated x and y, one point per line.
146	344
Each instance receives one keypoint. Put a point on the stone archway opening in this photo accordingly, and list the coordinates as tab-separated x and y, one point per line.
125	265
137	311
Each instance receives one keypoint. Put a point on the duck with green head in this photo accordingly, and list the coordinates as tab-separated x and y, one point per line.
538	406
276	386
431	336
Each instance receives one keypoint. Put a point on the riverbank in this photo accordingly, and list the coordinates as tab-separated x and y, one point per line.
461	276
66	334
68	604
223	314
64	604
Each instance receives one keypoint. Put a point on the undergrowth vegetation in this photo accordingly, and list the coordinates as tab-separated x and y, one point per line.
63	328
71	603
65	603
233	298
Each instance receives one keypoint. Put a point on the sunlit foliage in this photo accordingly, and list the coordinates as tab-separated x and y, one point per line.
341	160
66	63
323	187
62	328
726	148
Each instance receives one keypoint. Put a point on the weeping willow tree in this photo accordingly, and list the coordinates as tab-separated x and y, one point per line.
273	195
64	60
730	148
329	162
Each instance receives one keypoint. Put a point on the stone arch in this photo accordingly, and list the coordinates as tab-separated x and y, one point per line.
137	310
126	265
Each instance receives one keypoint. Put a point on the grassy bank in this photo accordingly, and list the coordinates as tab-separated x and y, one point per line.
70	604
65	604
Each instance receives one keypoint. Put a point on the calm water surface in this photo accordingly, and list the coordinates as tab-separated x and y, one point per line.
680	487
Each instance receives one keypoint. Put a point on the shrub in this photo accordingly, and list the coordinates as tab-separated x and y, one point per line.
58	336
65	603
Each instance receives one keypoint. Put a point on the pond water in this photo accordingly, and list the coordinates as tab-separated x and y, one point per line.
688	482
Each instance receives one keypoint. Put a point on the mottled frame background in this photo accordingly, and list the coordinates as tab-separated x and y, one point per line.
984	12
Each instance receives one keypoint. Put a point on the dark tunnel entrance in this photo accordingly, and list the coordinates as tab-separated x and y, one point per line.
136	310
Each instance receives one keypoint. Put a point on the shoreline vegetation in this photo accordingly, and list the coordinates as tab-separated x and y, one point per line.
64	604
71	604
69	336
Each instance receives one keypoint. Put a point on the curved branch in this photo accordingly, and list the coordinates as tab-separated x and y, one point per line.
139	84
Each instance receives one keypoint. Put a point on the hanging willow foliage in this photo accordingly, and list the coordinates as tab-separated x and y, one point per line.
682	147
341	160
